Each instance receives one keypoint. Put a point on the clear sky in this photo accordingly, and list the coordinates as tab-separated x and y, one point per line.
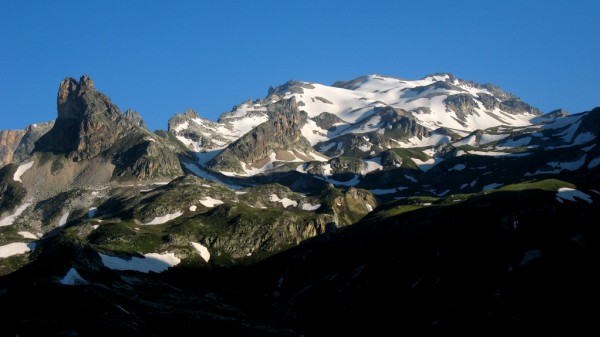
161	57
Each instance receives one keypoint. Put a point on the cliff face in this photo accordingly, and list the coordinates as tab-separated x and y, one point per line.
282	132
17	145
9	140
88	122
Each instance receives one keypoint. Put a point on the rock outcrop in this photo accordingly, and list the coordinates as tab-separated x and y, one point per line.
282	132
91	129
17	145
88	122
9	140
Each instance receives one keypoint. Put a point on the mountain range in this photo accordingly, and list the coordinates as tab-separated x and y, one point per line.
311	211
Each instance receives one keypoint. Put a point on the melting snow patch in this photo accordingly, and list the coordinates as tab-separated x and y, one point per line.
28	235
309	207
193	208
426	165
210	202
594	162
491	186
150	262
7	221
165	218
63	219
16	248
22	169
571	166
92	212
72	278
350	182
565	193
371	165
240	192
204	253
458	167
369	207
383	191
285	201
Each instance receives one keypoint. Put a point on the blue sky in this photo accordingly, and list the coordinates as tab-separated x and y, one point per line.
161	57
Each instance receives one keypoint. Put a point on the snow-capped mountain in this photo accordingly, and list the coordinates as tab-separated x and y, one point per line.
286	215
356	118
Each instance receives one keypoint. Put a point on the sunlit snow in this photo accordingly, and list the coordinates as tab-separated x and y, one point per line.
165	218
210	202
21	170
16	248
202	250
285	201
27	235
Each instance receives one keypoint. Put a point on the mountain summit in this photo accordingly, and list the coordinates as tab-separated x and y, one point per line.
88	123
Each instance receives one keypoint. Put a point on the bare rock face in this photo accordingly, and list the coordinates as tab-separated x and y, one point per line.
9	140
88	122
91	129
281	132
135	118
17	145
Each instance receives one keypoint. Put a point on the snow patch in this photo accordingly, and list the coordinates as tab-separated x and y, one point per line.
458	167
16	248
594	162
63	219
92	212
72	278
491	186
382	191
371	165
285	201
28	235
22	169
202	250
163	219
151	262
210	202
7	221
310	207
369	207
193	208
565	193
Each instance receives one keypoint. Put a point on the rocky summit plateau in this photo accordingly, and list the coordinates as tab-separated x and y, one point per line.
377	206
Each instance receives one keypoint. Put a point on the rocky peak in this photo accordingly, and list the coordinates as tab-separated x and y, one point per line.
294	87
87	124
135	118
